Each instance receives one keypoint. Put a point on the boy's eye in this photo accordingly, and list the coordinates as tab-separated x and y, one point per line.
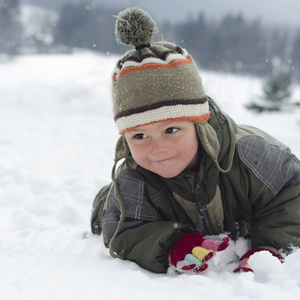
171	130
140	136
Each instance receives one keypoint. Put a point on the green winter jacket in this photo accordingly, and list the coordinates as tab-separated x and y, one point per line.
257	197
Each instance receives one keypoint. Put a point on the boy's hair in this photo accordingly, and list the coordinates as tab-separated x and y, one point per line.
154	82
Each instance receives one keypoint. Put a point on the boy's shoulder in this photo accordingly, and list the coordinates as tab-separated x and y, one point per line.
270	160
247	130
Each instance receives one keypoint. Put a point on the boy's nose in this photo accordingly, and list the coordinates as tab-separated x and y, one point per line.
159	147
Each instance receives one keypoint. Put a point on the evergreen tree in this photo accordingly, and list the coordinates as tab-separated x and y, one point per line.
86	26
296	55
277	90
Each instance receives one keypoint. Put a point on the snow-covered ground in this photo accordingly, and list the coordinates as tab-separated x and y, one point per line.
56	151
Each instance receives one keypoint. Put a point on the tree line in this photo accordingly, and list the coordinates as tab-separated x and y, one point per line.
10	27
232	44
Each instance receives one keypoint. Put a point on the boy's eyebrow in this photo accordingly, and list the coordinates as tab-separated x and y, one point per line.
137	129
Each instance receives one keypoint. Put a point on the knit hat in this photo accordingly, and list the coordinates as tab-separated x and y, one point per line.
154	82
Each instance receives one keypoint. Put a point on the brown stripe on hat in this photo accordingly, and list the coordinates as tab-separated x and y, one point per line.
139	60
157	105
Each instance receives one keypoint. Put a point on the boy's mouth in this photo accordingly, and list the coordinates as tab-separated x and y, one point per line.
165	160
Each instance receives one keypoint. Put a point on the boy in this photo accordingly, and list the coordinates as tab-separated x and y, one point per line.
190	173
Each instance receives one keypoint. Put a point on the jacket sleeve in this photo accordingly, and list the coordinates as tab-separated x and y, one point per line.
98	209
274	175
145	234
148	245
276	220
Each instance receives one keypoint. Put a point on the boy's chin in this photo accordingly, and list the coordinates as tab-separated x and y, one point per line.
165	170
168	174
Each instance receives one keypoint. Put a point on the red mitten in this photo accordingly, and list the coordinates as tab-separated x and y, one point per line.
243	262
191	252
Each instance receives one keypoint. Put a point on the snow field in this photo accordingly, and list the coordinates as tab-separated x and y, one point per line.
57	141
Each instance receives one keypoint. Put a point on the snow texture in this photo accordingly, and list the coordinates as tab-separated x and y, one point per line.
57	142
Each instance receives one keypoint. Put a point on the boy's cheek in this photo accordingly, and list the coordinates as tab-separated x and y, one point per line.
137	156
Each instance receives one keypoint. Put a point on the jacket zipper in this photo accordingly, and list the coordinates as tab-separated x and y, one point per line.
204	218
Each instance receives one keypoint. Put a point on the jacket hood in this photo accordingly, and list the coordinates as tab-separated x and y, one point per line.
217	138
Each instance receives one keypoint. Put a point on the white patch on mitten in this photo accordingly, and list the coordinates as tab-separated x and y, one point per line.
241	247
224	257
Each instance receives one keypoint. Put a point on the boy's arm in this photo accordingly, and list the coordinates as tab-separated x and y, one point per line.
274	186
274	191
275	226
276	220
98	209
148	245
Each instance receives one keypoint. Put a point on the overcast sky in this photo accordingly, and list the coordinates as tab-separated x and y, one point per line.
270	11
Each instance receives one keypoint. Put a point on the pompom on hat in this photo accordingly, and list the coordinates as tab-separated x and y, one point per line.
154	82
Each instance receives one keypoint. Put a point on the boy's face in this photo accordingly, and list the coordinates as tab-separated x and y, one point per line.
165	148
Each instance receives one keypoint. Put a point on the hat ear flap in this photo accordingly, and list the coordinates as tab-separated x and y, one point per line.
209	140
122	149
210	143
